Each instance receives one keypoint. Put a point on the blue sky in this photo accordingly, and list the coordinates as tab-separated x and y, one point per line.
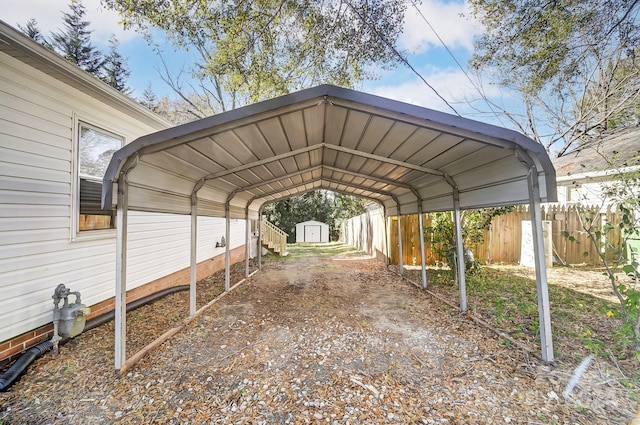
427	54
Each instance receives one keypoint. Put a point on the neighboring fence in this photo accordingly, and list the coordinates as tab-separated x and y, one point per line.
502	242
366	232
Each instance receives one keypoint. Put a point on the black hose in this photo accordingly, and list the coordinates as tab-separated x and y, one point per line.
108	316
22	363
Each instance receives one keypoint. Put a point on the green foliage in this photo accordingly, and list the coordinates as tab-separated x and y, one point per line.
320	205
149	98
582	323
575	88
441	232
32	31
115	70
544	41
254	50
73	42
624	194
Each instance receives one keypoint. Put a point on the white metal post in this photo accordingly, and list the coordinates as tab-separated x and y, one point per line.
259	247
120	312
385	220
247	252
422	259
401	266
542	286
193	260
227	250
544	309
462	282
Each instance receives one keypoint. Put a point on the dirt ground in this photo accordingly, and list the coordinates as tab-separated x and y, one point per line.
339	340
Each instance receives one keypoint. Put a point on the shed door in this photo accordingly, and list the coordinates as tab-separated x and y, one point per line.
312	233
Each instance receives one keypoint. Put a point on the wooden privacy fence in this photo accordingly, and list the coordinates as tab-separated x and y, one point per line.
502	242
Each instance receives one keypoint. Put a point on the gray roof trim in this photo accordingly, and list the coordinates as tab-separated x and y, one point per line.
389	194
260	128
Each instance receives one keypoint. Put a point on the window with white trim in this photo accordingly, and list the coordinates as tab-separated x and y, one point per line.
574	193
95	149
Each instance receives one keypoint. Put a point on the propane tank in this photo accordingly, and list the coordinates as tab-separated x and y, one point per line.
68	320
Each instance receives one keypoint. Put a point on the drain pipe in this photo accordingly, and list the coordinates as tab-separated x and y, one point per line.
33	353
108	316
23	362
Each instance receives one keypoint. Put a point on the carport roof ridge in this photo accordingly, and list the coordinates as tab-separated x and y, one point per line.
406	157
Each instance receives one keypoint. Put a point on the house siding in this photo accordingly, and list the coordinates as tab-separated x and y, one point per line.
38	247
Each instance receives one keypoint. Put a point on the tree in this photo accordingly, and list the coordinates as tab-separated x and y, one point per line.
249	51
73	42
573	63
321	205
115	71
32	31
149	99
441	233
623	194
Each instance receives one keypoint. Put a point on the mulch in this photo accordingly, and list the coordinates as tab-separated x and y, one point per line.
313	340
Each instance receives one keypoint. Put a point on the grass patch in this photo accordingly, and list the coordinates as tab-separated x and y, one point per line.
327	249
579	321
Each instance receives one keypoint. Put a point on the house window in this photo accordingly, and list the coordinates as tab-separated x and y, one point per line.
574	193
95	149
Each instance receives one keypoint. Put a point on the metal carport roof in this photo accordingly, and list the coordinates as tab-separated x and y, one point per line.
408	158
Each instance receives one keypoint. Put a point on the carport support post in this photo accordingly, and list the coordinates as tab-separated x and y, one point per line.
544	310
259	247
386	219
422	260
247	251
542	287
227	250
120	312
401	266
462	283
193	259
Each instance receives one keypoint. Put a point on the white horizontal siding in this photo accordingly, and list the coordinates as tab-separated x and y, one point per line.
36	163
20	144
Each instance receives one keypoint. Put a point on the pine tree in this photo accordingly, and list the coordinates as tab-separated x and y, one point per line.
115	71
73	42
149	99
32	31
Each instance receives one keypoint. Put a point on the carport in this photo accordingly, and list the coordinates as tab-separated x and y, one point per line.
407	158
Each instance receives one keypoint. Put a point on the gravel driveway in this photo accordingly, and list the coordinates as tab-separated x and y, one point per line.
316	340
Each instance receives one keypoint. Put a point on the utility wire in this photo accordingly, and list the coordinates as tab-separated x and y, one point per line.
401	57
464	71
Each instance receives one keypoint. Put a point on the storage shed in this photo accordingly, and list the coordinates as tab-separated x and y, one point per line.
312	231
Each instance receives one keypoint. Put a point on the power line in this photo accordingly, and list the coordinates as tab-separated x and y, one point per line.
464	71
401	57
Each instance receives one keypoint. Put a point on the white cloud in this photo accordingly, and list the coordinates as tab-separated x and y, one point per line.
48	14
447	20
452	84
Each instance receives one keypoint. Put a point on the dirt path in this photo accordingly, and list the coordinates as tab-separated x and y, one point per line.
316	340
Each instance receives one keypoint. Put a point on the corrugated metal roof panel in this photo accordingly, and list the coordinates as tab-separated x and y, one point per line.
401	155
